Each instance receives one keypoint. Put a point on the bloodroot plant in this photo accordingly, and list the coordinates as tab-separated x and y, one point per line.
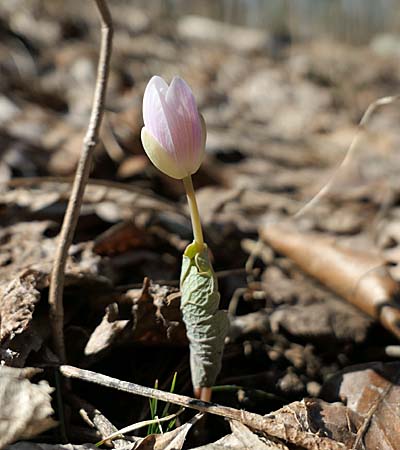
174	136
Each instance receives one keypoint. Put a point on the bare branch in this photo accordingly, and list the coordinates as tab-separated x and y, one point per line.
81	177
93	417
265	424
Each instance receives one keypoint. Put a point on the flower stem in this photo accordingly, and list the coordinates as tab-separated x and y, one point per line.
194	212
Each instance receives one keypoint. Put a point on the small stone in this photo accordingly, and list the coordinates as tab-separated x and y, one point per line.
274	355
8	109
291	383
313	388
295	354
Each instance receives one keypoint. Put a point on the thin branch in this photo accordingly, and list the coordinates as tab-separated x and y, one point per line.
181	400
93	417
265	424
138	425
81	177
350	151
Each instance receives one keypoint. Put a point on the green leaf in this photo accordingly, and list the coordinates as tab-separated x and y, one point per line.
153	402
167	405
155	427
206	325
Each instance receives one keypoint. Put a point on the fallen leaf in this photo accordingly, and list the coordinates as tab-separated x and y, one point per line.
120	238
359	276
107	333
150	315
172	440
320	419
26	246
372	392
242	438
18	335
228	442
326	319
132	166
25	407
24	274
18	303
250	440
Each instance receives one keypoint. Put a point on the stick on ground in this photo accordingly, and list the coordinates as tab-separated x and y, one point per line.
97	420
264	424
78	187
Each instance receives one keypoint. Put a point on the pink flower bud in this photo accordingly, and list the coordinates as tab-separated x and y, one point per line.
174	132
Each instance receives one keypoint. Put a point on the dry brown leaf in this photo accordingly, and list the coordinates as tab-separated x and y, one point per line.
322	419
120	238
172	440
372	392
358	276
18	335
326	319
18	303
150	315
107	332
132	166
27	259
25	407
242	438
307	310
228	442
251	441
26	246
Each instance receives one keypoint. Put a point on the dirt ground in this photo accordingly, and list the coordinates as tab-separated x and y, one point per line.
311	289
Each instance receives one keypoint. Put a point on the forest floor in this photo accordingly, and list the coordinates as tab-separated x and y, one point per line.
311	293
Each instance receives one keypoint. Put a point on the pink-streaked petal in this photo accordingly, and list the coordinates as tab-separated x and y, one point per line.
163	160
184	122
155	114
173	126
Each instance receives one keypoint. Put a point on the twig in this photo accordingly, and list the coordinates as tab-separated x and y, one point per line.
132	388
350	151
265	424
93	417
81	177
362	431
138	425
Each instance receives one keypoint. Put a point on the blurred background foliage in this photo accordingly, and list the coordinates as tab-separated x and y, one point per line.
351	21
354	21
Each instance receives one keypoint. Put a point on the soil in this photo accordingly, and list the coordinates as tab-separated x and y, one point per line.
281	115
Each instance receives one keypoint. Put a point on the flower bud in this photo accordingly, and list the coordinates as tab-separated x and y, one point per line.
174	132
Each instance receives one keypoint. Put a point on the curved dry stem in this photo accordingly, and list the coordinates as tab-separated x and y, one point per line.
81	177
350	151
